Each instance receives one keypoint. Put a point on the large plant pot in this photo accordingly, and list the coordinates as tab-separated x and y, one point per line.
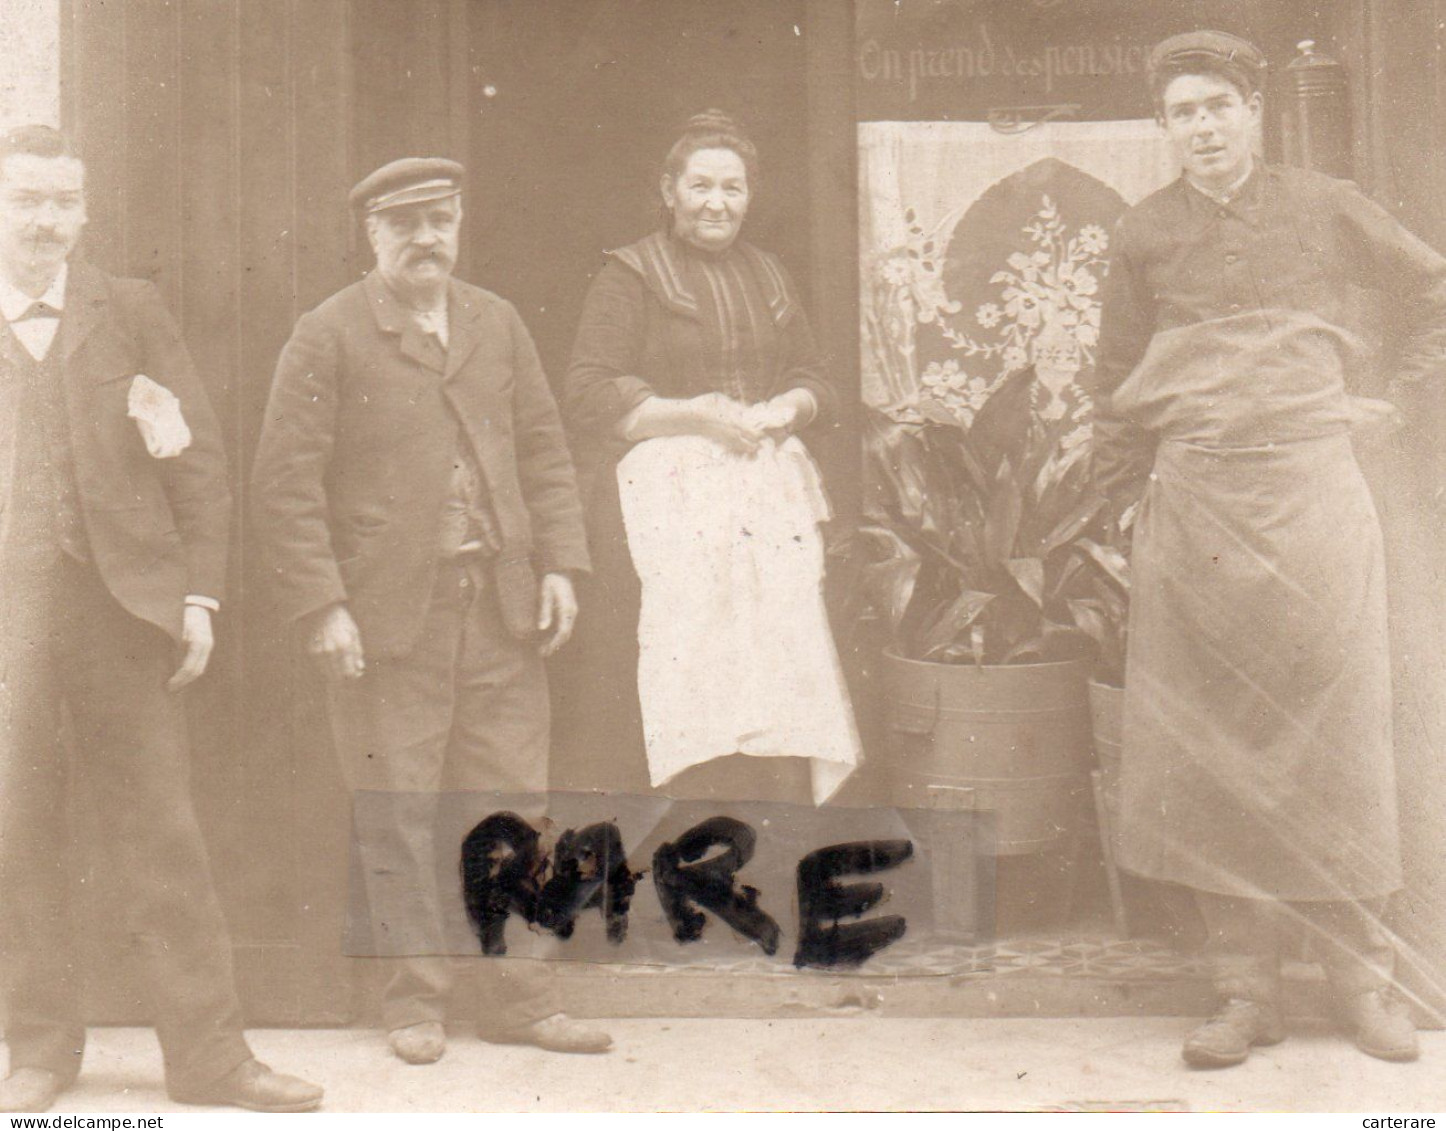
1107	714
1012	740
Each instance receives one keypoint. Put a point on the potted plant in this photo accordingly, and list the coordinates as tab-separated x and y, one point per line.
978	505
975	512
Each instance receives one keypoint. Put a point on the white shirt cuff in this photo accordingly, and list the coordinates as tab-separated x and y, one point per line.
204	602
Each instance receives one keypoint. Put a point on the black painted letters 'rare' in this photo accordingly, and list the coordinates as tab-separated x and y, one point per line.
682	878
823	901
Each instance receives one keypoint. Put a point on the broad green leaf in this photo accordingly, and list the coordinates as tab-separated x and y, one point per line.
1062	576
890	579
1029	573
897	462
1092	620
1001	428
1001	524
954	621
1114	564
961	452
1030	649
933	411
1070	526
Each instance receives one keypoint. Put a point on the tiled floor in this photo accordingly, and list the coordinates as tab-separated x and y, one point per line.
1083	954
851	1063
1064	954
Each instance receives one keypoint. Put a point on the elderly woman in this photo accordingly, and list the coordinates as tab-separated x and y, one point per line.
708	665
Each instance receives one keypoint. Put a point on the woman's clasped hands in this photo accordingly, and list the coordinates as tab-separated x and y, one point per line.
742	428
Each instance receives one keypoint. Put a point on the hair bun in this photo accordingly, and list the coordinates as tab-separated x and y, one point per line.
713	120
712	129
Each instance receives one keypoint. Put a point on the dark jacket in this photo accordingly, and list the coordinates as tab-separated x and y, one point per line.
1292	240
157	528
354	463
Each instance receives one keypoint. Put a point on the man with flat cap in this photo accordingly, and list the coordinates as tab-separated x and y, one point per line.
1258	767
412	485
114	516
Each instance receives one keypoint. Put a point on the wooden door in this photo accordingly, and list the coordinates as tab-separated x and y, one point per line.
216	140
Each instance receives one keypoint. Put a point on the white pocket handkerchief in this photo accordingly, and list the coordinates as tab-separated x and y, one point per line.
157	412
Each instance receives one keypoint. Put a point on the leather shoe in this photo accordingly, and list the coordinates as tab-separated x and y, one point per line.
1225	1040
423	1043
254	1086
557	1033
1382	1025
30	1089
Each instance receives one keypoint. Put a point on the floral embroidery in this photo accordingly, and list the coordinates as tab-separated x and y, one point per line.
1046	314
960	394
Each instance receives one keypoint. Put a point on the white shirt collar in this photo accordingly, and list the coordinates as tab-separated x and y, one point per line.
15	302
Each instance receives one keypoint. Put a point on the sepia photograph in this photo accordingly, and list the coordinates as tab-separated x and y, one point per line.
746	556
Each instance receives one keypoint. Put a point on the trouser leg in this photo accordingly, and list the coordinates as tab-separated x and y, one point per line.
43	1023
499	743
391	728
133	752
1354	951
395	846
1242	946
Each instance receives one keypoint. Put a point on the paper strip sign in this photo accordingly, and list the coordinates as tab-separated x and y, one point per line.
624	879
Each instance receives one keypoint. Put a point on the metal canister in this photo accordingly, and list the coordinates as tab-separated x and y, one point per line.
1315	112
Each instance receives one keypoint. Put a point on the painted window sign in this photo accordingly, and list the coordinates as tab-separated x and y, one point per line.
1002	61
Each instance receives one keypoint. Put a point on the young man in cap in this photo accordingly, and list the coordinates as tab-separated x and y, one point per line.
113	558
411	473
1258	766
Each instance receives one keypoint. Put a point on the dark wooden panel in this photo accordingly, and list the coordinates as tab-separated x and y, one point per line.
93	107
263	217
327	243
323	260
152	168
1405	91
833	223
401	80
1397	58
575	106
200	209
217	145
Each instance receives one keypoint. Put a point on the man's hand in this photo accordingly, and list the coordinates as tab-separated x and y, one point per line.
557	611
332	637
197	637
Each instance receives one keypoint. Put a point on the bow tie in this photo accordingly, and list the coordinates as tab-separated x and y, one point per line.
39	310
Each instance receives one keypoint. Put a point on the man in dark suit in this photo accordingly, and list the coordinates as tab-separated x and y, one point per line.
114	533
412	481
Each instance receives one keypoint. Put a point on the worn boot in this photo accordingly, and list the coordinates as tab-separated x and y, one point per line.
557	1033
254	1086
423	1043
31	1089
1225	1040
1381	1024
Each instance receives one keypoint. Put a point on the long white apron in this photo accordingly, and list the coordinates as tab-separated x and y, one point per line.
735	654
